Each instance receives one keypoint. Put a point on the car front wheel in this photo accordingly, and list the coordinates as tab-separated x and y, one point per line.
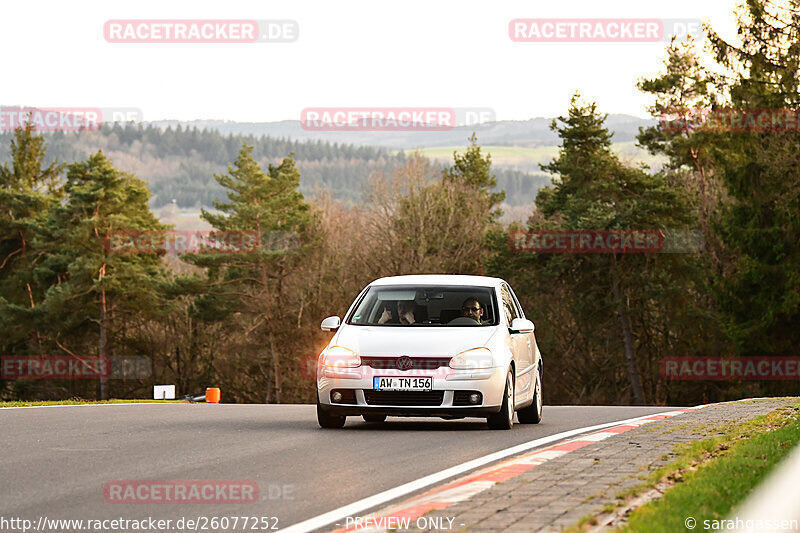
329	421
505	418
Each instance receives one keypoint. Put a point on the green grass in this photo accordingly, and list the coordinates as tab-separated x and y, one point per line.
716	474
77	402
501	155
522	156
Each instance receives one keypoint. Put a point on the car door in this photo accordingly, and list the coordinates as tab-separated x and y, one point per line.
533	348
520	348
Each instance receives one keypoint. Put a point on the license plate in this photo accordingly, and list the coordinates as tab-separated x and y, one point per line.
403	384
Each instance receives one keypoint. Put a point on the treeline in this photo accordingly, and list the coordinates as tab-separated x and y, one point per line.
178	164
249	322
245	321
739	186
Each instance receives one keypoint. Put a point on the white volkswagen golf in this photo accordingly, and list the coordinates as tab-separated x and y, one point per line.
431	345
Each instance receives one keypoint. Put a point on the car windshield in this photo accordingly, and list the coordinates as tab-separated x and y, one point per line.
404	305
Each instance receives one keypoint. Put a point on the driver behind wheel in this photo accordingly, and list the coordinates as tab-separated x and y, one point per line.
472	308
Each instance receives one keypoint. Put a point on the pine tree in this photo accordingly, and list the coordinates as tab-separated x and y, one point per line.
475	171
28	190
96	290
593	189
252	283
759	224
684	96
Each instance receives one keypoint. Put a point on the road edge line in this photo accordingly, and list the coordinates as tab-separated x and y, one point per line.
329	517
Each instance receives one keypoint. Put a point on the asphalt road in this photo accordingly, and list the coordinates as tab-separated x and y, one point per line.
57	460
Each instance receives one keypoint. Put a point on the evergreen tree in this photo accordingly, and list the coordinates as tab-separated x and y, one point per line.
473	170
593	190
97	291
28	190
253	283
684	96
759	291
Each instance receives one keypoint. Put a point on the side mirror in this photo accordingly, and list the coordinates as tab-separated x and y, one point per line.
521	325
331	323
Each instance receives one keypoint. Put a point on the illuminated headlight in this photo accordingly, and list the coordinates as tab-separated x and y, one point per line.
340	357
475	359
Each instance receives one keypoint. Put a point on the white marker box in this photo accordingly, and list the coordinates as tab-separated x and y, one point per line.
164	392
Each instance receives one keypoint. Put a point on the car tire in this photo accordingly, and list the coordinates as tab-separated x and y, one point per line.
505	418
374	418
533	413
329	421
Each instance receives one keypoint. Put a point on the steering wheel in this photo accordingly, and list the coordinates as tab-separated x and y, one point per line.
463	321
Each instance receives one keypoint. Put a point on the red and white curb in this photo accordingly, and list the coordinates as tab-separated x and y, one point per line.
404	515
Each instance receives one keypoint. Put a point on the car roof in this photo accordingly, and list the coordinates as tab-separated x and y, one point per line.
440	279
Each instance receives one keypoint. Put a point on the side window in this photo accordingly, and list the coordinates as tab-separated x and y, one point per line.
520	312
508	305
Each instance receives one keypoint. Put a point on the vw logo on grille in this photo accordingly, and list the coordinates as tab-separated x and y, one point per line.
404	363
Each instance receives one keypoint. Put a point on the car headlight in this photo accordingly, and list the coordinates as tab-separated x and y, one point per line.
475	359
340	357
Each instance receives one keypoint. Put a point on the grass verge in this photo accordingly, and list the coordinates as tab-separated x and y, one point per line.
712	476
78	401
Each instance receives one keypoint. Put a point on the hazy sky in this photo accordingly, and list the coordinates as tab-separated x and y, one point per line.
445	53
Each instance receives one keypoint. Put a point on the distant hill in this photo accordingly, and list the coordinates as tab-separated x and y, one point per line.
534	132
178	159
179	164
528	159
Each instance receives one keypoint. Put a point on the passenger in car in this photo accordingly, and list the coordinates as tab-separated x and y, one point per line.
388	316
405	309
404	314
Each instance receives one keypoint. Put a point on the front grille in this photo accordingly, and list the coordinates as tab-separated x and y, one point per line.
390	363
412	398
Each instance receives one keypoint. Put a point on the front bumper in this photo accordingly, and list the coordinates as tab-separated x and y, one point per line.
490	383
445	412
